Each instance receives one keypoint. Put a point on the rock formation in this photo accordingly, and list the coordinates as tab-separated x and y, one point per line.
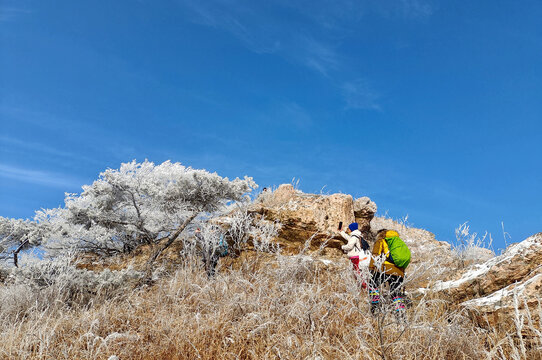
306	216
364	212
489	290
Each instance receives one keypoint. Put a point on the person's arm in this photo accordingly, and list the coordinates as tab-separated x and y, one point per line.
351	241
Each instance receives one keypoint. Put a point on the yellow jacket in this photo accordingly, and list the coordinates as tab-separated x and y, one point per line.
380	250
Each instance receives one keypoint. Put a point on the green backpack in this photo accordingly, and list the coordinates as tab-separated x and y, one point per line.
399	252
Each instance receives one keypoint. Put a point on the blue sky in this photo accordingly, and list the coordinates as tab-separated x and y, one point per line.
431	108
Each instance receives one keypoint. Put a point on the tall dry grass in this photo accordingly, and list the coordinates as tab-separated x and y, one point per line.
268	307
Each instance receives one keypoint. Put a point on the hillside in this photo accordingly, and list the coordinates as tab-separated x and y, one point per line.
296	300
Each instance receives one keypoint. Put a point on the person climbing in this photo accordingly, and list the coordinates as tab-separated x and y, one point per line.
211	252
357	250
390	257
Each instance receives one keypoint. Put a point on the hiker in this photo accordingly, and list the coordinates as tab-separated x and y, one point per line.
357	250
211	252
384	268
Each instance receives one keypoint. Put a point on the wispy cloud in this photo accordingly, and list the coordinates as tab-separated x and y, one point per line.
263	31
359	95
8	13
309	34
38	177
291	114
317	55
39	150
416	8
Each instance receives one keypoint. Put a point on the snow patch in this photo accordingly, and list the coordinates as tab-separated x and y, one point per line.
528	245
470	275
496	298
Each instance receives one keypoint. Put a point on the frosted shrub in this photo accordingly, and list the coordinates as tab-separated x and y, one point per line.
470	248
263	232
61	272
245	229
239	222
41	284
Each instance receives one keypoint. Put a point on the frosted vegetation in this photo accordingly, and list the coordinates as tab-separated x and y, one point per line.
138	204
471	248
261	305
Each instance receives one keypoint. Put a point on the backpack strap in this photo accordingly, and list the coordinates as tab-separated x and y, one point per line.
363	243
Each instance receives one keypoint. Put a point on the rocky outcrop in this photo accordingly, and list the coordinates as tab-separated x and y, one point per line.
364	212
500	307
491	290
516	264
306	216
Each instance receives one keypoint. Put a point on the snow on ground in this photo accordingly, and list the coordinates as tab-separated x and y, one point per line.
528	245
494	299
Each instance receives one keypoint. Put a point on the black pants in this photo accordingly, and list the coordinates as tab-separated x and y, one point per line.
395	282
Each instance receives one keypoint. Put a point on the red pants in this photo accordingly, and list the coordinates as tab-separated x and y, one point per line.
357	273
355	263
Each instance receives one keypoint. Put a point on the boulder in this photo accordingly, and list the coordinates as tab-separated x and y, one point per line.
364	212
306	216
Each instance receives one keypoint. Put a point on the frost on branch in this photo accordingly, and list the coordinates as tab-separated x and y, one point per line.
140	203
17	235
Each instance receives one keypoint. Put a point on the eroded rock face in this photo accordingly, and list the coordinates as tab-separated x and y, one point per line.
514	265
500	306
364	212
488	289
305	216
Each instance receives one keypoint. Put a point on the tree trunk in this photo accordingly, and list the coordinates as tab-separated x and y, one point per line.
170	240
16	253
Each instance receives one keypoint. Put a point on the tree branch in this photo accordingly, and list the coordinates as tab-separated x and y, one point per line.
16	253
171	239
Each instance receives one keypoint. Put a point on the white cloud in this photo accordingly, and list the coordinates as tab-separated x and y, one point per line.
38	150
416	8
38	177
317	55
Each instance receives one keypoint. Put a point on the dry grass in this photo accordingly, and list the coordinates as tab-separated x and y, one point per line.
271	307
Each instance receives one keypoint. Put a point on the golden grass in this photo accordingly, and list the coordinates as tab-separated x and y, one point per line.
284	307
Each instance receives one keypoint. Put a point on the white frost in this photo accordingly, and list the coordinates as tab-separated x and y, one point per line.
528	245
497	297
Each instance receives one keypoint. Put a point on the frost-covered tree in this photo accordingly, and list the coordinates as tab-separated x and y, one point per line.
140	203
17	235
